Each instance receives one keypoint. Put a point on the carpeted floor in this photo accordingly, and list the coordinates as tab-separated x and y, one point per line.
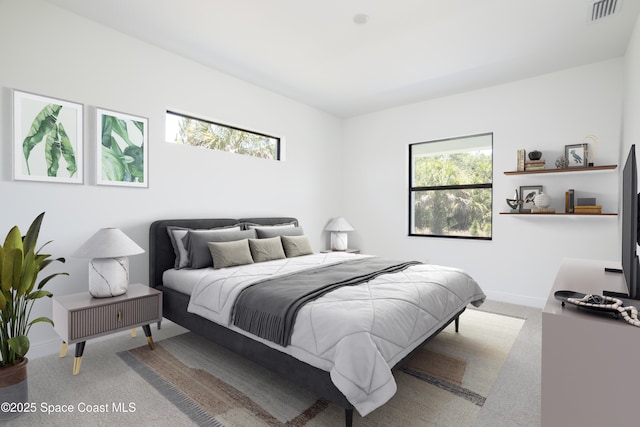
448	379
452	382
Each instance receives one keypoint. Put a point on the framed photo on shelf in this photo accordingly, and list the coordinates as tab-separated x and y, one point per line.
47	139
122	149
527	194
576	155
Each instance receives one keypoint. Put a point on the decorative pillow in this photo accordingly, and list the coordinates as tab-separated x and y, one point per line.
267	232
228	254
266	249
176	234
199	254
296	246
250	225
186	239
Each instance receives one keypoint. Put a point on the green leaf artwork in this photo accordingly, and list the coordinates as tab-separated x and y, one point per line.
122	149
47	127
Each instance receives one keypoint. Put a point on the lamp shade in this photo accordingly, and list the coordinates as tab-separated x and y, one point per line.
338	224
108	243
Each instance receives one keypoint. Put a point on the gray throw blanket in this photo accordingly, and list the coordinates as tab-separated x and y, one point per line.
269	308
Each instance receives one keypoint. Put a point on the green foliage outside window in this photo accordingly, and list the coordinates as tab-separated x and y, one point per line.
451	192
201	133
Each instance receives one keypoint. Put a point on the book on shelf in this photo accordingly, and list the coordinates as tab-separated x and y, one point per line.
569	201
521	160
537	210
532	165
588	210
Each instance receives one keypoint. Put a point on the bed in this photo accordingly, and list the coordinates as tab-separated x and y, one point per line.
311	358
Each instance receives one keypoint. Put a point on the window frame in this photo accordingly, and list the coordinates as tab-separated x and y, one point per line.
278	139
415	189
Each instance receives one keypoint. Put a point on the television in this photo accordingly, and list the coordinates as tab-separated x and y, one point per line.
630	238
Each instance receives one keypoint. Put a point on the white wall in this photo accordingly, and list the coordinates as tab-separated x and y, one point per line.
48	51
631	118
543	113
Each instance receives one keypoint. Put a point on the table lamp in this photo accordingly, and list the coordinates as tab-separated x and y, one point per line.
109	266
338	228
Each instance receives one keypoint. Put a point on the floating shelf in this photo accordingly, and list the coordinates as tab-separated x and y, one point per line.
563	170
556	214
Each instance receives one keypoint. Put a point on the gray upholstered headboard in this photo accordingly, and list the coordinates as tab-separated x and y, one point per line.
161	254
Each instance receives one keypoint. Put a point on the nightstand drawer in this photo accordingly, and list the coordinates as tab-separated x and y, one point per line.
97	320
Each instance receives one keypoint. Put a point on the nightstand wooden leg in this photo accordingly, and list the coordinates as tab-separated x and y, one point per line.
78	359
63	350
133	332
147	333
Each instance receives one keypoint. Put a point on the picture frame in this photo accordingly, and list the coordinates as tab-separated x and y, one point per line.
122	149
47	139
576	155
527	194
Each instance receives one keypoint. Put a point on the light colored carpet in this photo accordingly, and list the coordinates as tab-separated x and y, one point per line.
106	379
447	380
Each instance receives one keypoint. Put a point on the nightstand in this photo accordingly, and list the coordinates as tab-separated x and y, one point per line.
349	251
79	317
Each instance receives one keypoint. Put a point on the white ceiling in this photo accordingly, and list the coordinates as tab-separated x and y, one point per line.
409	50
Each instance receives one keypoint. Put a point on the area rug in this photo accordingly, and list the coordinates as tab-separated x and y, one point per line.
445	383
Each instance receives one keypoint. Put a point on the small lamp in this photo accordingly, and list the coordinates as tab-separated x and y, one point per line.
338	228
109	267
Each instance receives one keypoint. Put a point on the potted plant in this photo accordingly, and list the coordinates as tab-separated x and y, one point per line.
20	264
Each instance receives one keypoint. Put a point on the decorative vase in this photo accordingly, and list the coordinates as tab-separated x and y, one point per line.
535	155
13	388
562	162
542	200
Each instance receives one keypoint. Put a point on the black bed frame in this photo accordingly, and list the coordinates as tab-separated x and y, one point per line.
174	306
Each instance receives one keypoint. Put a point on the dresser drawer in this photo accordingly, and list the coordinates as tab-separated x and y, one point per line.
79	316
93	321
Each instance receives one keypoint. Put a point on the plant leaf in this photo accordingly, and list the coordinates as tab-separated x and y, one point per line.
67	150
53	151
11	270
136	167
31	238
120	128
107	140
40	293
42	124
28	276
13	239
19	344
46	279
41	319
113	169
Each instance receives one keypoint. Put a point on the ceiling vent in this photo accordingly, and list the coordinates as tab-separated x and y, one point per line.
603	8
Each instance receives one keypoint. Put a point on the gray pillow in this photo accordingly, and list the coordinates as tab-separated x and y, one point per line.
199	254
176	234
250	225
266	249
266	232
296	246
228	254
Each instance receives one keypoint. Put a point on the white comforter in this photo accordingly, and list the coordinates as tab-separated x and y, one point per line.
357	333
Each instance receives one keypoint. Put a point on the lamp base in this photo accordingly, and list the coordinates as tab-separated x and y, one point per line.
108	277
338	241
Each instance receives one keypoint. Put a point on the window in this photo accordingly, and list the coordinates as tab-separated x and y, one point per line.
182	129
450	190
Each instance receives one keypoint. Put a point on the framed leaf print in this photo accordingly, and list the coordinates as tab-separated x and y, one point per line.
122	149
47	139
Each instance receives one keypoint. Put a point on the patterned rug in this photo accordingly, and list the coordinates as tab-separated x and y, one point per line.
445	383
